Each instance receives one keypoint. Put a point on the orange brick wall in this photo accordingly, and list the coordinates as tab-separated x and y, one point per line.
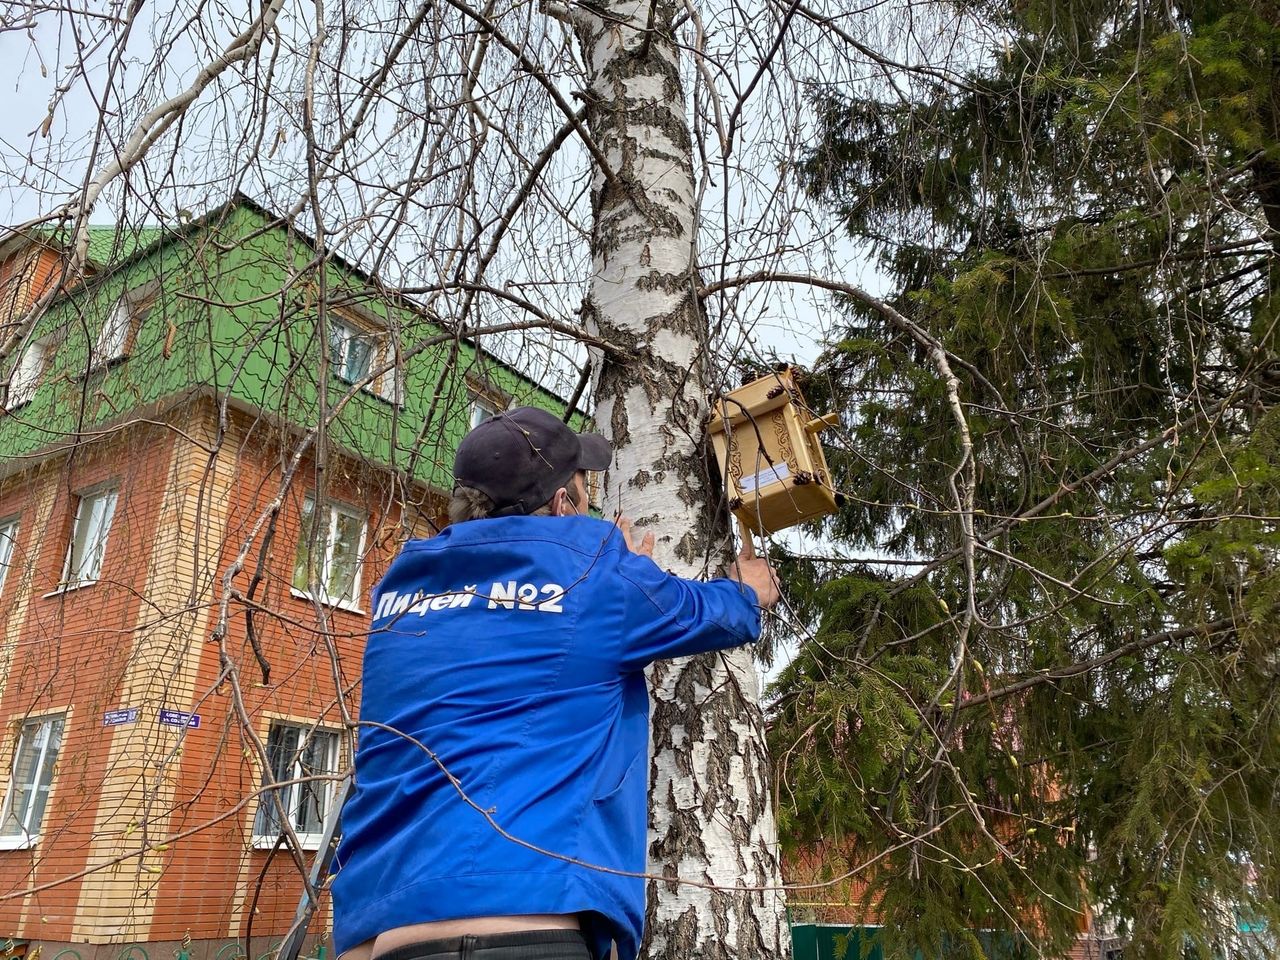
112	864
295	640
68	651
25	277
826	890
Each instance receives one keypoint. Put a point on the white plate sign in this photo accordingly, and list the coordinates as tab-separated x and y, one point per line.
773	474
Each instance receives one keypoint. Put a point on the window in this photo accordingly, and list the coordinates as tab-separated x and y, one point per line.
329	557
390	385
295	753
27	373
29	784
351	351
356	353
116	339
8	536
482	408
89	538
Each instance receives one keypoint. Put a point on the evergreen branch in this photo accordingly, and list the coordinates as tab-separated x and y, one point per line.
1235	248
1084	666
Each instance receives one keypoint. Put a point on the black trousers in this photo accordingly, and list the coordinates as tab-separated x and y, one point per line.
524	945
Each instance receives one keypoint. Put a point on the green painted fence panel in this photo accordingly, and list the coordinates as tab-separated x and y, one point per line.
826	941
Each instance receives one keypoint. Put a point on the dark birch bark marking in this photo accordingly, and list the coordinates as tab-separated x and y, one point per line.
710	812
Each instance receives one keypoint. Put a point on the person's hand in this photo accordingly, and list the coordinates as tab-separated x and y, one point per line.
755	573
646	544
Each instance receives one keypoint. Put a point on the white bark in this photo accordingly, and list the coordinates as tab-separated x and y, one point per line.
710	816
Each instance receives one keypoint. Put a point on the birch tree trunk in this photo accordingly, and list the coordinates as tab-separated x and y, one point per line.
711	819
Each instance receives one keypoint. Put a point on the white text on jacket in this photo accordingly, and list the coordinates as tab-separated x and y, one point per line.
509	595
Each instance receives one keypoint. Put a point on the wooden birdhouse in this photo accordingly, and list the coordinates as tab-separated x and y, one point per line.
766	442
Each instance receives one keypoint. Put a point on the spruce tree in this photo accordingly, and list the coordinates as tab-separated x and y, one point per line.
1080	712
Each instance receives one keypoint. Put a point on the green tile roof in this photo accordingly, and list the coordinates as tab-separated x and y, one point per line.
111	244
108	244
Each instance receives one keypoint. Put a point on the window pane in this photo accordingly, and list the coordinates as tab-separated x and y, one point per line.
351	352
481	410
51	739
104	510
8	535
339	334
310	552
115	334
32	776
267	823
22	780
294	756
79	541
282	748
89	538
26	376
345	557
15	807
317	760
358	359
282	752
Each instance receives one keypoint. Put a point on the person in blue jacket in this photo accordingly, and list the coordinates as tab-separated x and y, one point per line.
501	774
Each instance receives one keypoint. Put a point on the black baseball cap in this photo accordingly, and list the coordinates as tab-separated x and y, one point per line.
521	457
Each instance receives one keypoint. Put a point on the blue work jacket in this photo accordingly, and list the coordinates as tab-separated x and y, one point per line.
507	657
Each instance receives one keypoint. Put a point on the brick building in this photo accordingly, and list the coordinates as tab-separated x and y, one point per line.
838	911
185	566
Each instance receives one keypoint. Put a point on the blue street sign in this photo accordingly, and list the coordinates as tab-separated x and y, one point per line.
113	718
176	718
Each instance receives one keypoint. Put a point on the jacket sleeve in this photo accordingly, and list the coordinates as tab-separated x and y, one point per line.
668	616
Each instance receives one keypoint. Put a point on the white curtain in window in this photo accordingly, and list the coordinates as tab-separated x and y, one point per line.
482	409
89	541
391	387
114	339
294	756
32	778
344	557
26	377
8	536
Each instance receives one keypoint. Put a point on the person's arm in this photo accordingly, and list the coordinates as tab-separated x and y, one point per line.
669	616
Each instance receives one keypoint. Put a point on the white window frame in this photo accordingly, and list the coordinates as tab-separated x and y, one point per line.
32	728
308	540
389	385
350	332
26	374
483	406
292	793
115	339
8	540
110	496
